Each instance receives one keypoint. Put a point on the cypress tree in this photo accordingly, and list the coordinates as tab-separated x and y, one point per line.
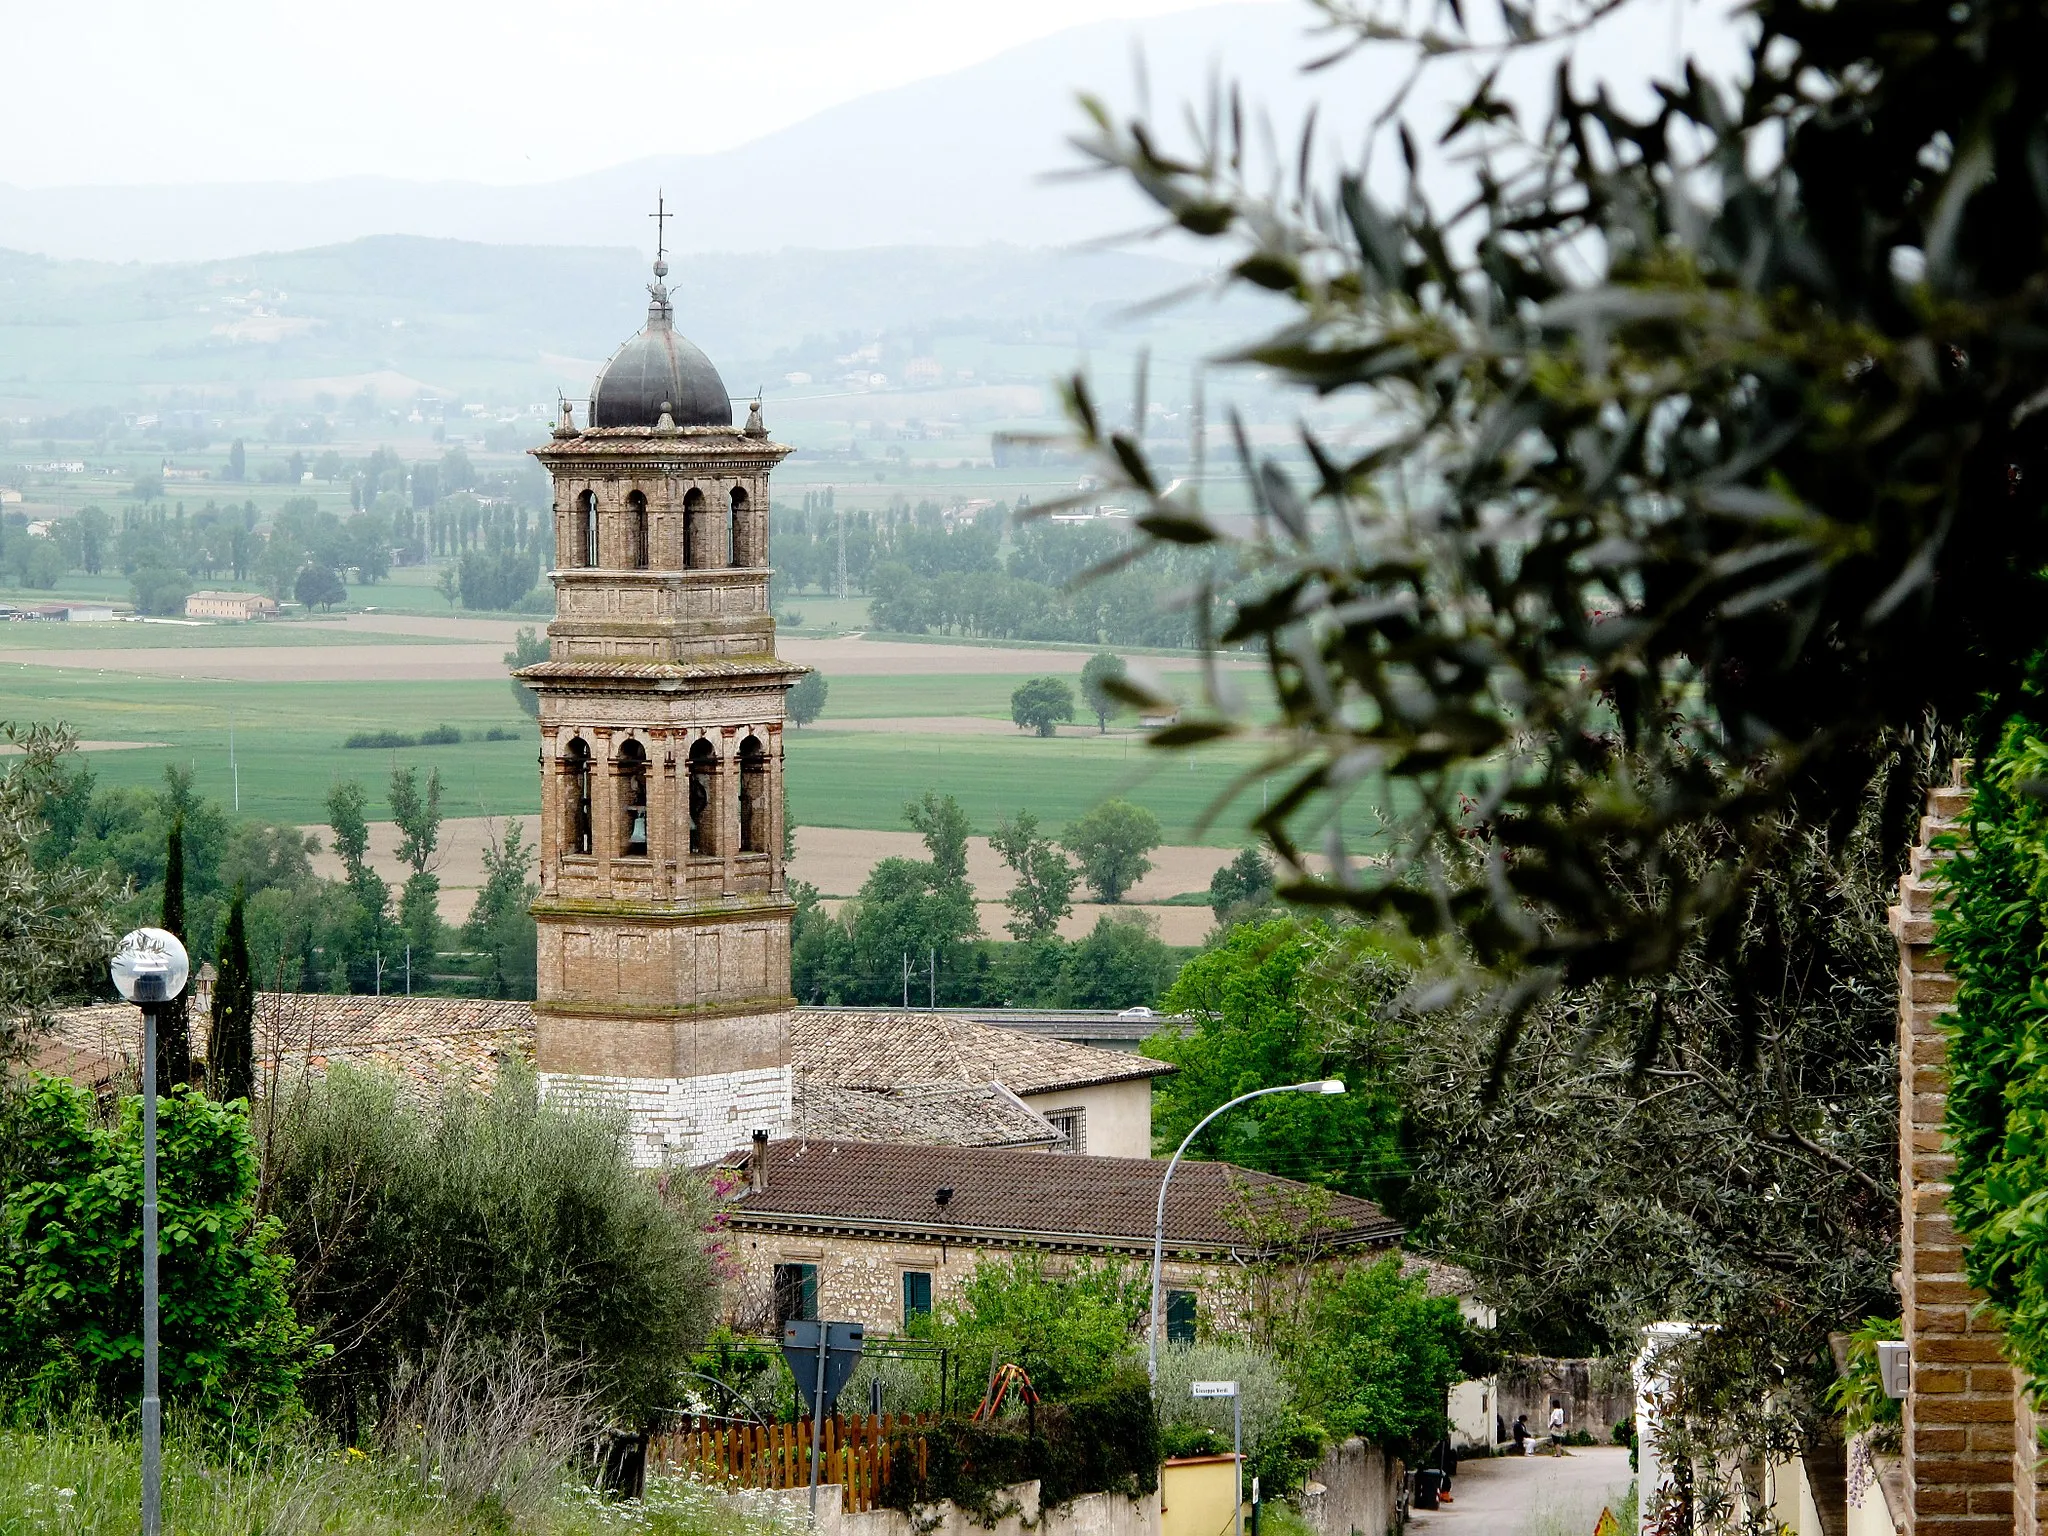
173	1028
231	1036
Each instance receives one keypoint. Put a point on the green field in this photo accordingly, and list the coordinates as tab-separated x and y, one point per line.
18	637
288	737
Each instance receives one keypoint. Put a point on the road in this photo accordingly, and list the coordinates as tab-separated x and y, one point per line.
1532	1495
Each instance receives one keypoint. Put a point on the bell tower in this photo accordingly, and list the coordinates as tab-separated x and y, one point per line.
664	925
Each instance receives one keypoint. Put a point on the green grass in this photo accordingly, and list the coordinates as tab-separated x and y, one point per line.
288	746
857	779
287	736
87	1482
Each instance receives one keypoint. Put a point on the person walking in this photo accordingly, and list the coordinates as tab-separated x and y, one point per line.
1556	1427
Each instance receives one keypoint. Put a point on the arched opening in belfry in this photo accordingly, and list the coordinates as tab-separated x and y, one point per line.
738	548
636	531
576	796
586	529
753	796
632	771
703	775
695	555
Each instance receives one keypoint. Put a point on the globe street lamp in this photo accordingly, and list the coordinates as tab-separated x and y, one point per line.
1325	1085
150	967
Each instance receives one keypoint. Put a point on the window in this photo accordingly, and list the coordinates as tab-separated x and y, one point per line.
1072	1124
703	772
753	796
736	551
586	528
1180	1317
694	553
632	770
917	1295
796	1293
576	796
636	531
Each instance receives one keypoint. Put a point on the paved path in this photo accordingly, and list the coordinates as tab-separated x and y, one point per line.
1532	1495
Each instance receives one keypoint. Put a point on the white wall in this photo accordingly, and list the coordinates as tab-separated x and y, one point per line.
1119	1115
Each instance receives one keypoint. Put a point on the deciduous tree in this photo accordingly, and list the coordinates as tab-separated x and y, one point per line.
1112	842
1043	892
1103	668
1041	704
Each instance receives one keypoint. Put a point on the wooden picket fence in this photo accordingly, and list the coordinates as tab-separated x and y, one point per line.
860	1453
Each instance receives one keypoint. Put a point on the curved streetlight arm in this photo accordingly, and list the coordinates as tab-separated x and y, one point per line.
1327	1085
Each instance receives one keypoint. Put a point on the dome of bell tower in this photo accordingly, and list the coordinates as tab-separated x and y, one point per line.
659	370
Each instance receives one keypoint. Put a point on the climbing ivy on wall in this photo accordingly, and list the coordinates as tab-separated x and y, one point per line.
1992	924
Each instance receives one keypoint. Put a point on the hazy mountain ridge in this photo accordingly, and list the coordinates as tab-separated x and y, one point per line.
496	319
960	159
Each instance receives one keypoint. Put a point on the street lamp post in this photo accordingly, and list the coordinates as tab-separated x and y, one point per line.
150	968
1324	1085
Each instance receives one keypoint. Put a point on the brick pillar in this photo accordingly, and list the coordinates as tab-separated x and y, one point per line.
1959	1430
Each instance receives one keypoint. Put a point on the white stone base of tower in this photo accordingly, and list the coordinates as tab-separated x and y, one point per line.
685	1121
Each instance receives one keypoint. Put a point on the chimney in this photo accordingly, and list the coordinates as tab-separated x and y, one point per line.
757	1166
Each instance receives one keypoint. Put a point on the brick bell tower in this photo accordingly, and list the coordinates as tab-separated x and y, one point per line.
664	923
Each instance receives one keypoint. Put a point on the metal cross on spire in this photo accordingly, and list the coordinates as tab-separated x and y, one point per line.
660	217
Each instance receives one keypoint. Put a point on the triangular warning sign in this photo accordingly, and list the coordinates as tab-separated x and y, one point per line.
1608	1525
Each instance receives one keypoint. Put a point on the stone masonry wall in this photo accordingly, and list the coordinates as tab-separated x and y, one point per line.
686	1120
1960	1457
860	1279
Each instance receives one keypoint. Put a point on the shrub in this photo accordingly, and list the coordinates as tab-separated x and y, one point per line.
380	740
1279	1445
1104	1440
70	1260
523	1219
1072	1333
1379	1355
441	736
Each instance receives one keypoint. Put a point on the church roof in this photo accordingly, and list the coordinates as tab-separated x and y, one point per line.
657	373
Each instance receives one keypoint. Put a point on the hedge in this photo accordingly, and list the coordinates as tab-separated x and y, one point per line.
1106	1441
1991	923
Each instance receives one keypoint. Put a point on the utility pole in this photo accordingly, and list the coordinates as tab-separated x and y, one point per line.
906	978
931	955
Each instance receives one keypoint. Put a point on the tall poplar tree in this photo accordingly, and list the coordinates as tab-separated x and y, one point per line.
173	1019
231	1037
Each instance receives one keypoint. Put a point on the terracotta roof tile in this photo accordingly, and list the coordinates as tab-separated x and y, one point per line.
945	1114
1106	1202
884	1048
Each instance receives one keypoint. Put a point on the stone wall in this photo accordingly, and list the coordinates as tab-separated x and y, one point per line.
1959	1437
1596	1394
1092	1514
860	1279
1352	1489
687	1120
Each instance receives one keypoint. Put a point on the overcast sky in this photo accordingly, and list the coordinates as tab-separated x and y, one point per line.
140	91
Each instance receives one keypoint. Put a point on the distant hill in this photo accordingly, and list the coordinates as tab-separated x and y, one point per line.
513	322
957	160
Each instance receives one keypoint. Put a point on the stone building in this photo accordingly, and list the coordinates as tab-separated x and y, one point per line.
877	1232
